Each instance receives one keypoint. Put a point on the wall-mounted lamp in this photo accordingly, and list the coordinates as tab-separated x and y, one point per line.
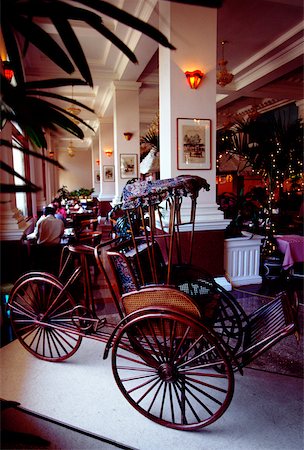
128	135
194	78
108	152
7	70
97	162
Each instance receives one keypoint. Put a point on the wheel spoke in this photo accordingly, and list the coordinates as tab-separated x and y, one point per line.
49	345
200	355
163	401
23	311
34	337
143	362
156	341
211	386
148	342
39	334
124	380
29	304
148	391
182	341
201	391
155	397
30	327
185	389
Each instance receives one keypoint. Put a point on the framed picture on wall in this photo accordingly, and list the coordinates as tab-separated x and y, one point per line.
108	173
97	176
128	166
193	144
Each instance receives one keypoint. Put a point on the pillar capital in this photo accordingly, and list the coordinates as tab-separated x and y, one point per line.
126	85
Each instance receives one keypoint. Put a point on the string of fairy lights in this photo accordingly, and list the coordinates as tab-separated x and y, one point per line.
288	178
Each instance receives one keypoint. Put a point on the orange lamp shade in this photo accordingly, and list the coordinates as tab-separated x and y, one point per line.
7	70
128	135
108	152
194	78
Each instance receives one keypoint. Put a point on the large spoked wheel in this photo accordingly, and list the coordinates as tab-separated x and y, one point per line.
228	323
166	366
41	317
219	310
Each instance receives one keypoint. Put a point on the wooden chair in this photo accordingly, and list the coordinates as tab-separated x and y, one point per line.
87	232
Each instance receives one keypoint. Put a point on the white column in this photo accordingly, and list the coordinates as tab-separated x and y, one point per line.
38	180
126	119
106	142
12	223
193	31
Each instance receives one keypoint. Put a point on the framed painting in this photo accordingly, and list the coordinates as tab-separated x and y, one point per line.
97	176
128	166
193	144
108	173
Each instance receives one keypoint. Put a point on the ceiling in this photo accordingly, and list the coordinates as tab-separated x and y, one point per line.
264	51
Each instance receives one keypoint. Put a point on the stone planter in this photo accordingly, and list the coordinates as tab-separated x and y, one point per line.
242	259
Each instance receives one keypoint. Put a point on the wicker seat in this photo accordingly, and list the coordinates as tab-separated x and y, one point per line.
160	296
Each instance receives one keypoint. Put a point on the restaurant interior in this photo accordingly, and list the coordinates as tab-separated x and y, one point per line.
101	115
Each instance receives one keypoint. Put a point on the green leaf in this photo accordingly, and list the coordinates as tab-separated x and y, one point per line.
73	46
58	108
11	171
205	3
55	82
12	50
115	40
11	188
59	97
128	19
42	40
27	151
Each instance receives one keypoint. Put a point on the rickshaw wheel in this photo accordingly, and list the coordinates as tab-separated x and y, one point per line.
166	366
34	318
219	310
228	323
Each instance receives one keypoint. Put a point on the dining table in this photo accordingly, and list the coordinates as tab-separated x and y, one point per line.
292	247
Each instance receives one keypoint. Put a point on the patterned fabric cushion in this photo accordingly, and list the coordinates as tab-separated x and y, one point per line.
123	275
144	193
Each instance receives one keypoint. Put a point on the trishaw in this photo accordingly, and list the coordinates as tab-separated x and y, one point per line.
180	336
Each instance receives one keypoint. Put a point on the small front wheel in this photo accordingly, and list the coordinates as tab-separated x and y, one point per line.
41	317
166	366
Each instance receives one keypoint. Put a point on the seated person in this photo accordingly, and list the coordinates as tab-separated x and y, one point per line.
50	229
34	235
60	211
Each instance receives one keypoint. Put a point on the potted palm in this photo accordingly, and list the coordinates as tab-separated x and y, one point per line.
29	103
273	150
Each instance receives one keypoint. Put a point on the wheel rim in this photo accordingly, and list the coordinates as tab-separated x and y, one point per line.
166	366
31	301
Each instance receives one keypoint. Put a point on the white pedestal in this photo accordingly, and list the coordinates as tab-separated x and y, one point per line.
242	259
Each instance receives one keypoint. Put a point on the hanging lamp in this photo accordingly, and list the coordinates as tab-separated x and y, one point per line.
223	77
71	150
72	109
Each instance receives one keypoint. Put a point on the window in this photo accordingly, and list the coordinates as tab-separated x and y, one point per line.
19	167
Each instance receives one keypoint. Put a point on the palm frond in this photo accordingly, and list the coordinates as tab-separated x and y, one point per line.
26	151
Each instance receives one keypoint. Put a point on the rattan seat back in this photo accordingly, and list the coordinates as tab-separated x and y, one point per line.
160	297
157	298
